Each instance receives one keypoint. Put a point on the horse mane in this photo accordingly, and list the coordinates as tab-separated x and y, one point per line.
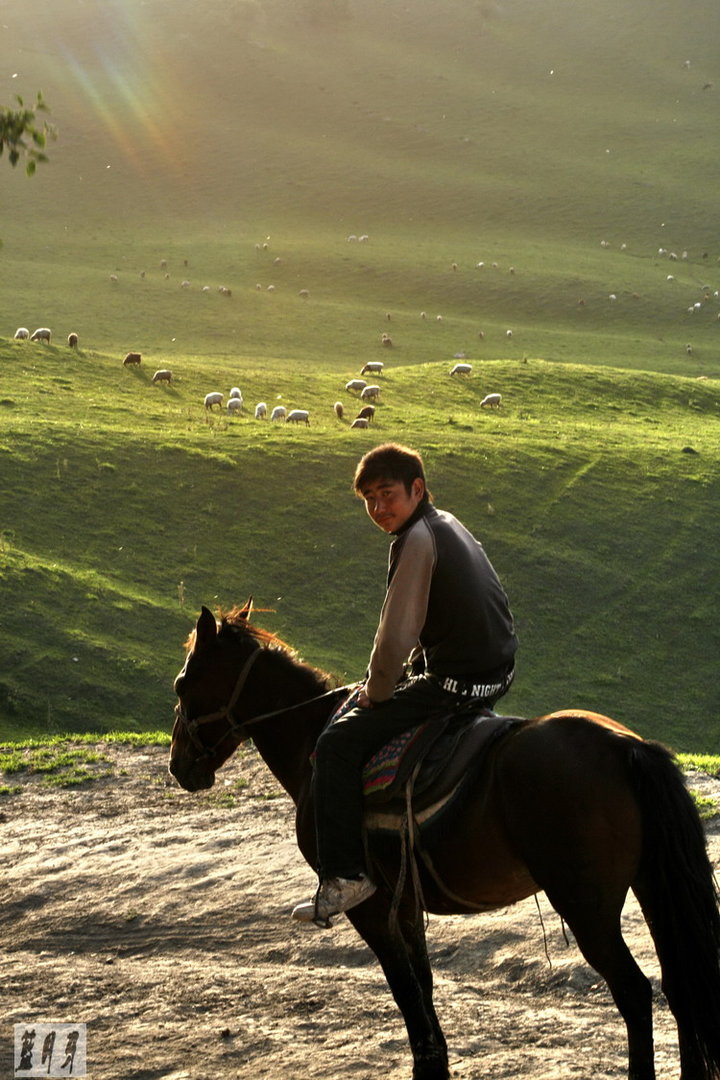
235	623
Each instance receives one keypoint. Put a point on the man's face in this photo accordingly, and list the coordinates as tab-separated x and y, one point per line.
389	504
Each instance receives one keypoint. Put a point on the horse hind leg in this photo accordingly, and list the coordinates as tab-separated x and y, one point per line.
599	938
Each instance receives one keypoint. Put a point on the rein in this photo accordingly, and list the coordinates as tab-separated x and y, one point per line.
226	712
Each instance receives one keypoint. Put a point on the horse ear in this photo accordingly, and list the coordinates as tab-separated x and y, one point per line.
246	612
205	628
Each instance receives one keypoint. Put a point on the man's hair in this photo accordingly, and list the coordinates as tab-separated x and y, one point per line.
391	461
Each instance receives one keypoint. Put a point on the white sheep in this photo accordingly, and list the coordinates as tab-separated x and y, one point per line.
304	293
339	409
41	334
260	410
235	392
22	333
373	366
356	384
278	412
72	340
114	279
493	400
508	333
224	291
370	393
162	375
360	422
215	398
386	340
234	405
461	369
298	416
185	284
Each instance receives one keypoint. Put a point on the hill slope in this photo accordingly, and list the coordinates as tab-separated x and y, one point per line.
516	167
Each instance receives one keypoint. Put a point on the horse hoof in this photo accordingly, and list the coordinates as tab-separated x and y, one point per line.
431	1069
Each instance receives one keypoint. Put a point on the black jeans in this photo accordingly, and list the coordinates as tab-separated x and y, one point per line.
342	751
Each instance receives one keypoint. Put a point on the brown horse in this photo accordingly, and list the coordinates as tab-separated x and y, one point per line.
573	804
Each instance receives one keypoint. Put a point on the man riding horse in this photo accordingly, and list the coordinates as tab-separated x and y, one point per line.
444	609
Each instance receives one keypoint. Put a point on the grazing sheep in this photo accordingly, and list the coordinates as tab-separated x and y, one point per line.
508	333
22	333
373	366
461	369
215	398
370	393
339	409
41	334
114	279
493	400
423	314
271	288
298	416
386	340
360	422
260	410
689	350
162	375
278	412
235	392
356	384
234	405
438	318
132	358
184	284
304	293
366	413
224	291
363	239
163	264
72	340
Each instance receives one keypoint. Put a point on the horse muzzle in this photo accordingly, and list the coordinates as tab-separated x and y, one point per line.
192	775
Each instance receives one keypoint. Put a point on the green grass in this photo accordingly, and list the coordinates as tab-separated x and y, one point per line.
450	134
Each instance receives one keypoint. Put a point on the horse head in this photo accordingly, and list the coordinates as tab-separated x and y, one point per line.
206	730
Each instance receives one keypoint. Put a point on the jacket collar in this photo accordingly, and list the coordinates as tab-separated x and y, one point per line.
420	511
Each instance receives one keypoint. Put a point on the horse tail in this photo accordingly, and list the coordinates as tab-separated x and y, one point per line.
676	890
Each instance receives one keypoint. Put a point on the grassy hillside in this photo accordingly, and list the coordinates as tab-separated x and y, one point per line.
561	146
130	506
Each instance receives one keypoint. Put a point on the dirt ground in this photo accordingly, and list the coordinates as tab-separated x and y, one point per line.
161	919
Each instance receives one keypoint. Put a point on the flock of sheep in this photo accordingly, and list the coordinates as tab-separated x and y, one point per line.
368	392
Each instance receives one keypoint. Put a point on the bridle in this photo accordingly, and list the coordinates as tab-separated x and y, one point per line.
192	726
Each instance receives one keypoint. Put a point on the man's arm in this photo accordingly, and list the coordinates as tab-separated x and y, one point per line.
403	613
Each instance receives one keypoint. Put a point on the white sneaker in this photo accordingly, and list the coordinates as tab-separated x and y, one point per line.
333	896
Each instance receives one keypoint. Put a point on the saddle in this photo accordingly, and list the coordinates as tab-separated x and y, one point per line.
433	758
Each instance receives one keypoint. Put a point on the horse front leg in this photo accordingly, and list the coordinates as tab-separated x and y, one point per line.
402	952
